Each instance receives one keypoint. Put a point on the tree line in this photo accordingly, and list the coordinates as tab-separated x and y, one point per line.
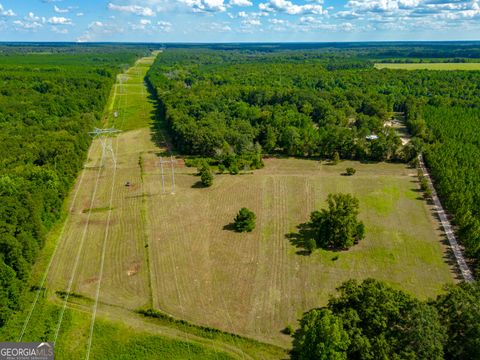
372	320
237	102
48	104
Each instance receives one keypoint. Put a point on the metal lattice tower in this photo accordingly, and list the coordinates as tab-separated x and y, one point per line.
104	136
172	163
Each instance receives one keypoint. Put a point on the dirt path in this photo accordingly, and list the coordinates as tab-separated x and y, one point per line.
447	227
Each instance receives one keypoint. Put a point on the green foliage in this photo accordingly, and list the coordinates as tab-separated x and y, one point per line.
321	336
310	245
452	158
289	330
350	171
48	104
460	312
206	176
338	226
245	220
336	158
370	320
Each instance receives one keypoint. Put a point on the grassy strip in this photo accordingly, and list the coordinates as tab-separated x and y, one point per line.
97	210
244	343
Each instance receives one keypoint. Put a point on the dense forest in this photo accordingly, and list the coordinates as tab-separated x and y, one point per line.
224	101
48	103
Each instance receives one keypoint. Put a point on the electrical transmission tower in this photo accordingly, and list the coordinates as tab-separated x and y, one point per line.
106	141
172	163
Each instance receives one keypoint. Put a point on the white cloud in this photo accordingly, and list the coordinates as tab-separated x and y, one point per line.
79	14
99	30
382	5
218	27
251	22
290	8
8	13
60	11
205	5
133	9
241	3
59	30
4	12
164	26
60	20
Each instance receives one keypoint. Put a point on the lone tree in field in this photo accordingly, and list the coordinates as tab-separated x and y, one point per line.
245	220
350	171
338	226
206	176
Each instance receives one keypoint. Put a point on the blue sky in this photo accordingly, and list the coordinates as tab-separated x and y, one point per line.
238	20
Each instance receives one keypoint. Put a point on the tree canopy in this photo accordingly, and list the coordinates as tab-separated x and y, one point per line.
370	320
337	226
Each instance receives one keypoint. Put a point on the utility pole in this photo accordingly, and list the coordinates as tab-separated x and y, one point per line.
173	174
163	175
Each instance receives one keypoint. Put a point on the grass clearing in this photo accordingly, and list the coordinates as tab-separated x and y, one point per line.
430	66
175	253
255	284
126	282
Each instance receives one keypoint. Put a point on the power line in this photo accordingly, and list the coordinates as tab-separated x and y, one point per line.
47	270
172	163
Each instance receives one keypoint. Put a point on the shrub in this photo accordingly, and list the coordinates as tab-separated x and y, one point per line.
350	171
206	176
245	220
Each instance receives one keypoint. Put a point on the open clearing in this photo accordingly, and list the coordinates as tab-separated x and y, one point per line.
430	66
96	218
254	284
175	252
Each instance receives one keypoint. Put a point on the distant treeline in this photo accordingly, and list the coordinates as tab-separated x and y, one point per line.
223	103
48	103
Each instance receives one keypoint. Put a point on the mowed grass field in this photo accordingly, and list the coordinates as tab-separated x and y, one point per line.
430	66
176	253
103	213
255	284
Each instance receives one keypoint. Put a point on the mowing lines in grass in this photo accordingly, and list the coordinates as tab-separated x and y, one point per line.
104	246
47	270
79	251
102	262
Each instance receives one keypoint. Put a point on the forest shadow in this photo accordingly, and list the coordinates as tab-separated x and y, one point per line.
300	238
198	185
229	227
158	129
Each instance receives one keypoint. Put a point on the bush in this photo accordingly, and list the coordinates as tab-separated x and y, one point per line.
288	330
350	171
245	220
206	176
233	169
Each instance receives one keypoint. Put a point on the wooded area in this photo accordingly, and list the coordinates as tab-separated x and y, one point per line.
48	104
326	102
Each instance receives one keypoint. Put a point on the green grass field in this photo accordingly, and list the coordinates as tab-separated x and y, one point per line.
175	253
255	284
430	66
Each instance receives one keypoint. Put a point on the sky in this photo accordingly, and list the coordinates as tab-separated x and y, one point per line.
238	20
